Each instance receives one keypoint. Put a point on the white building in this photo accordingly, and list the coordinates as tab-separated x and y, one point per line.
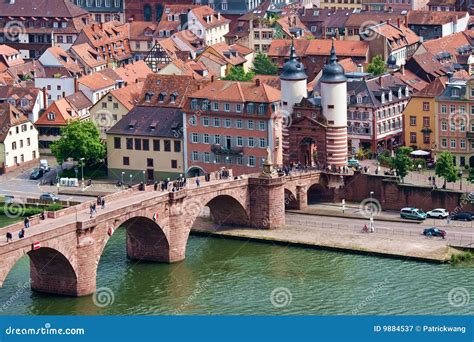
208	25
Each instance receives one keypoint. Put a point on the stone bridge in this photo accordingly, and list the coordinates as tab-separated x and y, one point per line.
66	247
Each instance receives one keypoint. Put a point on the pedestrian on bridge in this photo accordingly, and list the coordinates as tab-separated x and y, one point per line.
27	222
91	209
102	202
9	237
155	186
198	182
21	234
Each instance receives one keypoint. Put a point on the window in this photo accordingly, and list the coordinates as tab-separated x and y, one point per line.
452	108
51	116
453	143
215	106
149	162
228	123
206	138
251	142
238	108
238	123
443	109
192	120
452	125
156	145
28	142
261	109
240	141
174	164
115	105
217	139
412	138
250	108
426	106
462	143
167	144
426	138
250	124
426	121
226	107
205	121
444	142
207	157
194	138
104	105
177	146
138	144
412	120
217	122
117	143
14	145
462	109
262	143
261	125
146	145
126	161
444	126
195	156
251	161
129	144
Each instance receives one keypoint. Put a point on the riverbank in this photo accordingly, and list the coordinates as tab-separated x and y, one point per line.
410	247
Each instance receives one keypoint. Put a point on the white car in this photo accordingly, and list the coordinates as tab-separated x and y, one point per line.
438	213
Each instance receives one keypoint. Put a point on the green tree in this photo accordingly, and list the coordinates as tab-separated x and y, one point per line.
470	177
445	168
238	74
262	65
402	162
377	66
79	139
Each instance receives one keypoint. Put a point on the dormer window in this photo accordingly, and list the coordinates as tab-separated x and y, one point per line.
359	99
399	92
132	124
390	96
173	97
148	96
382	97
455	92
407	92
51	116
161	97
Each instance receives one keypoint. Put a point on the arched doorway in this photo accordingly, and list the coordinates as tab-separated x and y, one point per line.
195	171
308	151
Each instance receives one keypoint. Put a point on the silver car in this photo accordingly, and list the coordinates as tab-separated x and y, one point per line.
438	213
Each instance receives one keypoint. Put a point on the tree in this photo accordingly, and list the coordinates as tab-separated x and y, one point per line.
238	74
445	168
262	65
470	177
377	66
79	139
402	162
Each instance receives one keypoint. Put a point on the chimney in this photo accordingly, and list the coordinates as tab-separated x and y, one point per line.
450	75
257	82
212	78
380	81
45	98
218	15
402	68
360	68
406	20
398	22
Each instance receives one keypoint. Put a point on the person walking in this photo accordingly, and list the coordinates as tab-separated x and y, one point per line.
9	237
155	186
21	234
102	202
198	182
91	209
27	222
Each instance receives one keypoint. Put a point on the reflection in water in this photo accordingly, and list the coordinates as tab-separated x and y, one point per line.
237	277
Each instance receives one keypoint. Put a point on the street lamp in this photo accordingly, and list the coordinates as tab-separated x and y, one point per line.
419	168
131	177
82	172
144	181
121	184
460	179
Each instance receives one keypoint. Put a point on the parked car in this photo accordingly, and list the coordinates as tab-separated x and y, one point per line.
49	197
412	214
438	213
352	162
44	165
433	231
462	216
37	174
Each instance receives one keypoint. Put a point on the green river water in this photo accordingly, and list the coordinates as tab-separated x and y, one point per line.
225	277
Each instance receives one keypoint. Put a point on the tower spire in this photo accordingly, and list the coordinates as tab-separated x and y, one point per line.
292	49
333	57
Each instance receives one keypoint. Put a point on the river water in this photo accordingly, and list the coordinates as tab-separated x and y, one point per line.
237	277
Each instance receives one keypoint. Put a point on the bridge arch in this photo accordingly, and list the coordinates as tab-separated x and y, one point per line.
291	201
51	270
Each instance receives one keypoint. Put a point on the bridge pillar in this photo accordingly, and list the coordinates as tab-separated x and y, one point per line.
179	229
267	202
302	197
86	263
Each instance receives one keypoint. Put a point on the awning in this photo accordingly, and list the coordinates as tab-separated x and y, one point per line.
420	153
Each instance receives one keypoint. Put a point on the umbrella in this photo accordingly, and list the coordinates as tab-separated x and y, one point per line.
420	153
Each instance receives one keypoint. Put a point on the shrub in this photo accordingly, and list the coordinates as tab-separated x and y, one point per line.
419	161
461	257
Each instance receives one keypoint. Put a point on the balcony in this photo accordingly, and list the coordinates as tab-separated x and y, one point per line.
470	135
233	151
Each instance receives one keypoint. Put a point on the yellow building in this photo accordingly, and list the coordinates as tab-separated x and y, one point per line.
146	144
419	117
114	105
341	4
